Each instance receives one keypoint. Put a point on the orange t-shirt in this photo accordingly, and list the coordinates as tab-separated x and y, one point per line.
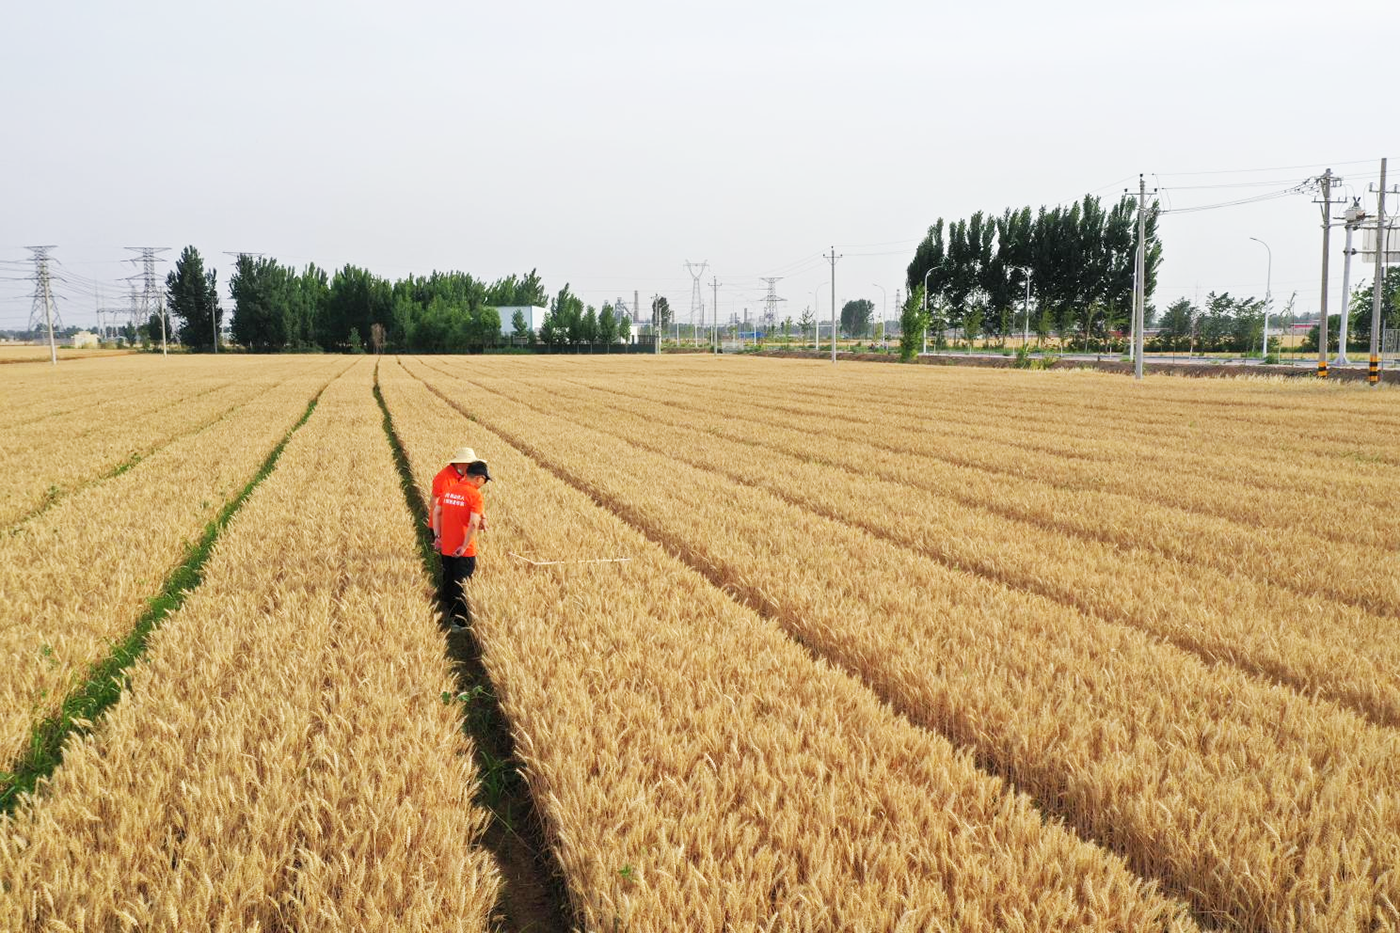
445	477
459	502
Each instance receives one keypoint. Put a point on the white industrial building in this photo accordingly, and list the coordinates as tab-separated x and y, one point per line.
534	317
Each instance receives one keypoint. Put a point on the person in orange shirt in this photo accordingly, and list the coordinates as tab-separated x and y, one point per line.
458	517
452	473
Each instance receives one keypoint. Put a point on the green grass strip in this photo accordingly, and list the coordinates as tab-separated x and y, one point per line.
106	679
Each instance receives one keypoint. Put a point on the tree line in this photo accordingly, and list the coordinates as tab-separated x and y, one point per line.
1077	261
277	308
569	322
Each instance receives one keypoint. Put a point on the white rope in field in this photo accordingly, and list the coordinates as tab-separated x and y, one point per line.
559	563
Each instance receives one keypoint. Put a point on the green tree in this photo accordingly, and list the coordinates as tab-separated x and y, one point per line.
661	313
972	324
518	325
1174	330
567	311
912	323
264	298
192	297
855	316
624	329
588	327
357	300
1360	308
607	325
806	322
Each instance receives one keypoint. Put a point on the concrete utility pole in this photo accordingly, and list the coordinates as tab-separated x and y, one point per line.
927	273
1350	221
833	257
884	311
1268	291
43	297
898	306
1326	179
1373	366
655	328
714	315
1026	309
1140	278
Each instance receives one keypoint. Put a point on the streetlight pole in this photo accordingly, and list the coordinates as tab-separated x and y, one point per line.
884	310
1268	292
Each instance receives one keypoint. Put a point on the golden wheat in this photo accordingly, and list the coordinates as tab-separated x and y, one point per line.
1335	650
1267	809
697	771
282	758
53	456
78	576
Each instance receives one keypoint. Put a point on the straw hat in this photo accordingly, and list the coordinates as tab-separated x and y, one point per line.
463	455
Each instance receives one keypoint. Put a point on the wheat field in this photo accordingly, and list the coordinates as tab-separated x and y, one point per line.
875	647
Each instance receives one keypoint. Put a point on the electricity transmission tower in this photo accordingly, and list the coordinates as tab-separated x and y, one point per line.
44	312
697	297
151	302
770	302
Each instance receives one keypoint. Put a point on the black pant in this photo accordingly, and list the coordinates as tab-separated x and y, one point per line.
455	572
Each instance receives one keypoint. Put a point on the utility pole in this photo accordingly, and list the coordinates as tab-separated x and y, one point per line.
1326	178
884	310
1373	366
927	273
833	257
655	324
1140	278
1350	221
43	298
899	309
714	314
1026	310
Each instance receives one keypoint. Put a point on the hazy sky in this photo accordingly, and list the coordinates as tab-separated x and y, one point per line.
606	143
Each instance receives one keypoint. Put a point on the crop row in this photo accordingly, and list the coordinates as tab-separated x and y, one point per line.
282	759
79	575
1266	809
697	770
